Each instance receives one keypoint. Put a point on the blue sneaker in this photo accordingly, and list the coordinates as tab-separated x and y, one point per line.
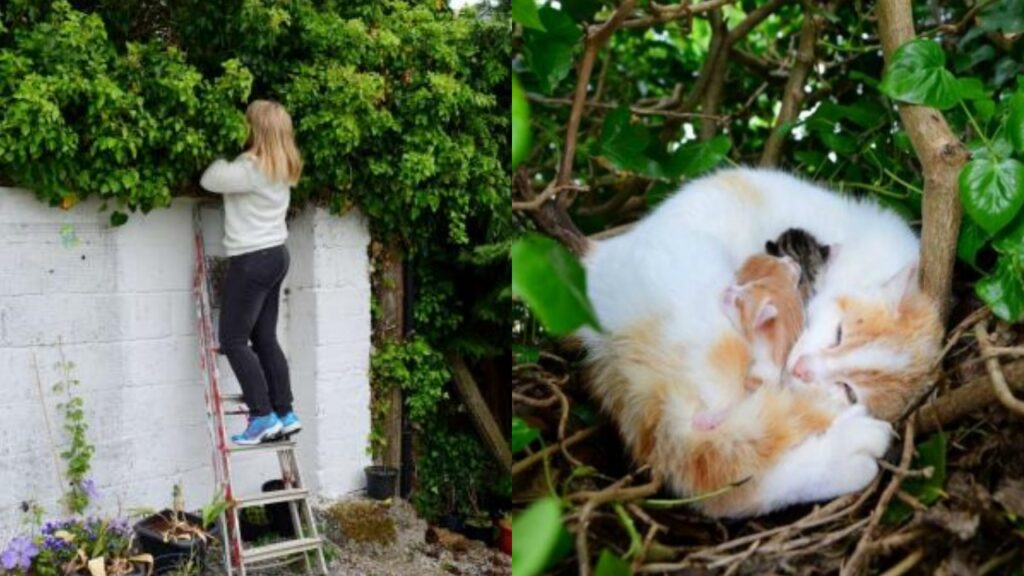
260	428
290	424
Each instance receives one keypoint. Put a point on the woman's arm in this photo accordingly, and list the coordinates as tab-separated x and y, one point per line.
223	177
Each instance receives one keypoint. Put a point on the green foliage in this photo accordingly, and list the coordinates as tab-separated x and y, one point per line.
78	453
927	490
454	470
538	537
522	434
918	75
552	282
420	372
520	123
609	564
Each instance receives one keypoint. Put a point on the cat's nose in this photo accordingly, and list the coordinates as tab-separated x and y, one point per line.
802	369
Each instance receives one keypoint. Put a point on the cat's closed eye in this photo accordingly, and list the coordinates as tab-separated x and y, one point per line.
839	335
851	395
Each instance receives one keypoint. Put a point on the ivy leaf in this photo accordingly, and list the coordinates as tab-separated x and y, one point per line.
522	434
971	88
520	123
917	74
552	283
931	453
971	240
118	218
1003	290
581	10
992	192
623	142
608	564
525	354
525	12
538	537
1015	122
1005	15
696	158
549	52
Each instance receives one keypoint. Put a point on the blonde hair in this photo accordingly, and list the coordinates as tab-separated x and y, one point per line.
272	141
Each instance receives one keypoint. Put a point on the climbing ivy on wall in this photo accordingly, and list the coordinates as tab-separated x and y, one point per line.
400	108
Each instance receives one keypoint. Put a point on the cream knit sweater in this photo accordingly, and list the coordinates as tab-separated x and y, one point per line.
254	207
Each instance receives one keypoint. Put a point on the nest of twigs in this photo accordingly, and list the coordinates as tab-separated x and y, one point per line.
970	520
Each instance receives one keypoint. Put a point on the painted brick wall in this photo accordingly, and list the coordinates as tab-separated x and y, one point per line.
117	303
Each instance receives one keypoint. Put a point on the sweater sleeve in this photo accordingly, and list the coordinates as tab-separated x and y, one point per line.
223	177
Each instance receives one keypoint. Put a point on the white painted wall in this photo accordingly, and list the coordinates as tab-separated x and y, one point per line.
117	303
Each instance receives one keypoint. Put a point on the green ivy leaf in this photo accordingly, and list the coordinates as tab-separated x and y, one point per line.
608	564
520	123
931	453
623	142
971	88
992	192
917	74
549	53
971	240
525	12
552	283
118	218
538	537
522	434
693	159
1005	15
1003	290
581	10
1015	121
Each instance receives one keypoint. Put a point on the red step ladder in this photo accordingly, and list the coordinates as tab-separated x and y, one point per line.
307	539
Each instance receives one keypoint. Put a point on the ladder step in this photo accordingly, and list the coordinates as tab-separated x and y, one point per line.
273	446
279	549
289	495
234	397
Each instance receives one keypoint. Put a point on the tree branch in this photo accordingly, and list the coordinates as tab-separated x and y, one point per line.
793	94
597	36
941	155
973	396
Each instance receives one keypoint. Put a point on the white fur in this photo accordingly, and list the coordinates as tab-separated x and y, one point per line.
675	265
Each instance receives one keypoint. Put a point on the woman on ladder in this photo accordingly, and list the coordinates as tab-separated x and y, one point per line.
257	188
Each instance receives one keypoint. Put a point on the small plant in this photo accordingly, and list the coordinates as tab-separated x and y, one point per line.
78	454
179	527
73	546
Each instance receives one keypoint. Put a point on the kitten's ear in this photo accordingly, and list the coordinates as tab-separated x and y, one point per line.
830	252
730	295
902	285
765	314
772	248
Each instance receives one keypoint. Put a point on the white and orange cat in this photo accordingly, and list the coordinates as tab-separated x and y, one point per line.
669	352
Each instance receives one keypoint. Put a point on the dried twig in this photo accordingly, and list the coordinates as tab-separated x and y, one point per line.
536	457
638	110
617	492
861	557
995	372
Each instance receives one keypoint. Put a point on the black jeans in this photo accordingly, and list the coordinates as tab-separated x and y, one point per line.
252	291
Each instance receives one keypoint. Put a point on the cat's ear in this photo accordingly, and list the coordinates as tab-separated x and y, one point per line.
900	286
830	252
730	295
765	314
772	248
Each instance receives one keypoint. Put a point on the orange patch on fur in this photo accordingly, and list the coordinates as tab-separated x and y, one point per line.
730	357
743	188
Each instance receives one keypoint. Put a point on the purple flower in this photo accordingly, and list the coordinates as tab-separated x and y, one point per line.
19	554
88	486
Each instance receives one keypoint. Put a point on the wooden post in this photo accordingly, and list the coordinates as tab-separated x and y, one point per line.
484	421
390	329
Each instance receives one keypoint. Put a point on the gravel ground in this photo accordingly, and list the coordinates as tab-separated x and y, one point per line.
408	555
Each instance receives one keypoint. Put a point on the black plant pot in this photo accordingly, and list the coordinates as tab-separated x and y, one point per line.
481	529
173	555
280	514
380	481
452	521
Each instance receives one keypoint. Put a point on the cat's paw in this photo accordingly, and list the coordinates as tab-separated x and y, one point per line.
855	432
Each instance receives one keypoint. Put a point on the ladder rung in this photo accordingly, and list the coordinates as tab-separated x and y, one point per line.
274	445
279	549
289	495
232	397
